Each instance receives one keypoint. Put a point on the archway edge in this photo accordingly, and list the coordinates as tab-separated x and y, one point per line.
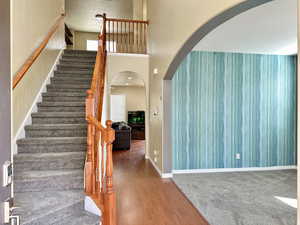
206	28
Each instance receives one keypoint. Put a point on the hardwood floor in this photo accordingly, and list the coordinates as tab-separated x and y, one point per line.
143	198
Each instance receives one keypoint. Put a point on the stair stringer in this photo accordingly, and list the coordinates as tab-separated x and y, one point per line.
91	206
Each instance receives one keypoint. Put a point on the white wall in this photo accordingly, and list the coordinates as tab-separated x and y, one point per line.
31	21
135	97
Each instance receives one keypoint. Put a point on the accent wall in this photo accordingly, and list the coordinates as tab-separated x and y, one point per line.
233	110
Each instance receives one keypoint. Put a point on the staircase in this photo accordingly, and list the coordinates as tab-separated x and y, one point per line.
48	169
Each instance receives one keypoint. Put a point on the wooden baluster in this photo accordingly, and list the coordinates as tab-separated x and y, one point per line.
88	170
97	162
109	196
117	42
113	35
146	34
102	164
138	36
104	32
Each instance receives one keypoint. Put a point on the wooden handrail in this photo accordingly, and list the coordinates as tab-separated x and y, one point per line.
98	170
28	63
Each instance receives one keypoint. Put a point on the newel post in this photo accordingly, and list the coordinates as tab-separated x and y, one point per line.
88	169
109	196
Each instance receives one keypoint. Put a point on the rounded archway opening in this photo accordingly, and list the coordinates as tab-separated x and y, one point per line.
128	105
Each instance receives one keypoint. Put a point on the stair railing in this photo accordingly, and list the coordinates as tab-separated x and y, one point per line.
126	36
98	171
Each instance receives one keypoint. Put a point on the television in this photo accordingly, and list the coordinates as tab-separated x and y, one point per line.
136	117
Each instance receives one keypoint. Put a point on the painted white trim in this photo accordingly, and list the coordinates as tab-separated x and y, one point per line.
224	170
127	54
162	175
90	206
166	175
27	120
155	166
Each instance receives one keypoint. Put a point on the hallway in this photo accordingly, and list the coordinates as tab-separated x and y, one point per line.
143	198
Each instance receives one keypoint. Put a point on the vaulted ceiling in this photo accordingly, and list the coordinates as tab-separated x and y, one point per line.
267	29
80	14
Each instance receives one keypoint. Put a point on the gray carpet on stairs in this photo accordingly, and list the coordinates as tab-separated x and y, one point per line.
242	198
48	169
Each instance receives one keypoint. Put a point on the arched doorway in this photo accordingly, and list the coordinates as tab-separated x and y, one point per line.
128	104
167	93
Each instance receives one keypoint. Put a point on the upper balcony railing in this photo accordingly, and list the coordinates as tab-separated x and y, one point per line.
125	36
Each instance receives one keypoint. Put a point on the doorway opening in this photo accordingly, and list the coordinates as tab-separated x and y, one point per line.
128	109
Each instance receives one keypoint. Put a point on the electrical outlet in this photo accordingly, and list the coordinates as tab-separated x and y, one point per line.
238	156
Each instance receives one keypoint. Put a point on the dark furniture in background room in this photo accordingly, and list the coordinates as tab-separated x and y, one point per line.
122	136
136	120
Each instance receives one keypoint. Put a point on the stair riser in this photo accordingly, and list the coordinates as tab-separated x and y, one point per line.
49	164
81	90
46	148
73	68
61	109
71	76
77	63
55	217
56	133
73	73
66	120
63	99
71	81
80	54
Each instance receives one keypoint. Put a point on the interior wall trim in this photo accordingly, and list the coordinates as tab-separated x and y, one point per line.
225	170
27	120
162	175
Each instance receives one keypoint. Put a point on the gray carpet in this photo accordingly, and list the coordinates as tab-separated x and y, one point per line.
242	198
48	169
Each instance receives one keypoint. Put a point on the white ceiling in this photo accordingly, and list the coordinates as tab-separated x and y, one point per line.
267	29
127	78
80	14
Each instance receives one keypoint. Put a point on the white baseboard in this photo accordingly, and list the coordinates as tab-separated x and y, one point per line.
27	120
166	175
162	175
224	170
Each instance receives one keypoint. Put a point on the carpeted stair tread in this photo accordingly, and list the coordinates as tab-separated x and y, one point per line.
52	144
74	79
73	73
33	181
72	67
49	166
55	126
64	94
70	59
85	52
58	114
81	218
69	86
52	140
28	175
66	104
58	118
49	161
56	130
77	62
47	207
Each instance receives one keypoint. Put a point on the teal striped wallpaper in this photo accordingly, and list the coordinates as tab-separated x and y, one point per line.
229	103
